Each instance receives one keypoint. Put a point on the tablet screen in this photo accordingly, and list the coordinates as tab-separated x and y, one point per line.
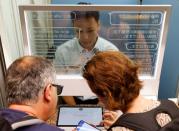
70	116
84	126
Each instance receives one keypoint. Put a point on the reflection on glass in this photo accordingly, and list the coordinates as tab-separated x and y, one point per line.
75	52
69	39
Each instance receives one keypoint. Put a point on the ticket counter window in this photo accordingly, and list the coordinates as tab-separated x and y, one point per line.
54	32
136	33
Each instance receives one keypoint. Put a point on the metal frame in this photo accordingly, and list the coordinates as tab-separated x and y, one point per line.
3	102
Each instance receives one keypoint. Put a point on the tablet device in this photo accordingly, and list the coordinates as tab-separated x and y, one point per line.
71	115
84	126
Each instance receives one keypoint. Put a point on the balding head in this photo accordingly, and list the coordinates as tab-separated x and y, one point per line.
26	77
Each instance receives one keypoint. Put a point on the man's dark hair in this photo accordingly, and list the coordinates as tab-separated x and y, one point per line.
75	15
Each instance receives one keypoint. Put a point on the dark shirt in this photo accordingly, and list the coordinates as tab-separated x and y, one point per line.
13	115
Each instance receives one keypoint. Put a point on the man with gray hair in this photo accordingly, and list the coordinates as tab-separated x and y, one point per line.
31	92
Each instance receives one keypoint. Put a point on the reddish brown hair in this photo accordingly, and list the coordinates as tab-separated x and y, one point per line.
113	76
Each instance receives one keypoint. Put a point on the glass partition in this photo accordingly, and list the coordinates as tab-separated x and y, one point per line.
55	33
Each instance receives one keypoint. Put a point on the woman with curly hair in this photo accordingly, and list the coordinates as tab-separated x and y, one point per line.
113	77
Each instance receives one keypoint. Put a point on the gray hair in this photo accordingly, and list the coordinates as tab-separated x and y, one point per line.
27	77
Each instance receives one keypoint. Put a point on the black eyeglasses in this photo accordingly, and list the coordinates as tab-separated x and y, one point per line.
59	88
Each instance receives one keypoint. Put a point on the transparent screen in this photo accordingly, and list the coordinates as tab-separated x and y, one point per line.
71	41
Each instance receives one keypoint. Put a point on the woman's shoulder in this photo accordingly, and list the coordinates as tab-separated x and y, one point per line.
161	118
